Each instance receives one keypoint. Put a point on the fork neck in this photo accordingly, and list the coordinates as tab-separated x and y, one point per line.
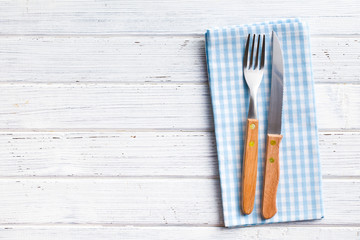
252	105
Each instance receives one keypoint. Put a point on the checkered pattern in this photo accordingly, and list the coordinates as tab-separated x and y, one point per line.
299	190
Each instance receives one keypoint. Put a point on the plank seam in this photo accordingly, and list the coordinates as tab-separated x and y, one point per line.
301	224
338	131
147	177
154	34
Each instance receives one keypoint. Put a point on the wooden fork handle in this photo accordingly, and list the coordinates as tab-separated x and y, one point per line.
271	176
250	166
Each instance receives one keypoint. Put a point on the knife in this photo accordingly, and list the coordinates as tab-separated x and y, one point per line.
272	167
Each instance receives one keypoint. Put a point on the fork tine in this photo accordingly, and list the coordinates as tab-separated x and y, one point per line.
246	52
263	54
257	53
252	52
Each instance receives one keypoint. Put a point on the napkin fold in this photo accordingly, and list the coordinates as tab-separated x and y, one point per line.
299	194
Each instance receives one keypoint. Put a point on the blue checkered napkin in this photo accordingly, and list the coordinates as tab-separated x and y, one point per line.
299	191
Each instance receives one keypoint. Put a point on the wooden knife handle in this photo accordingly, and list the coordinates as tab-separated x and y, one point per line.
271	176
250	166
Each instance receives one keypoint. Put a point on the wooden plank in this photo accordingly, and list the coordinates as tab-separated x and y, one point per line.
340	148
99	17
336	59
105	106
191	154
103	59
108	154
143	201
344	102
178	233
123	106
145	59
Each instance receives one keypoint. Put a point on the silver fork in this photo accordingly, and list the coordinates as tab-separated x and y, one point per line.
253	74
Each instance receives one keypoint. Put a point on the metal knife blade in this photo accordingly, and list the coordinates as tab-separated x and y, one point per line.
277	85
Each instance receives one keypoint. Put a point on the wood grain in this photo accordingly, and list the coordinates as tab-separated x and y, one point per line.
288	231
127	156
138	154
143	201
130	106
249	167
143	59
338	146
271	176
170	17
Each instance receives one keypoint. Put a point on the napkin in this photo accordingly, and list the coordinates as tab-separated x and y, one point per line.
299	194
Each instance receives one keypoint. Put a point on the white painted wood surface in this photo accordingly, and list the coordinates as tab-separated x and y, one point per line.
106	124
163	154
150	200
144	106
169	16
273	232
158	58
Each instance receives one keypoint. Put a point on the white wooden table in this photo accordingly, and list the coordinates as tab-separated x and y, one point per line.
106	125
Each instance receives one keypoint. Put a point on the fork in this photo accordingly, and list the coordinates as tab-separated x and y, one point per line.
253	74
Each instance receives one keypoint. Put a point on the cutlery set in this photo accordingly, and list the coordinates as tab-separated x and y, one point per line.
253	69
285	185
